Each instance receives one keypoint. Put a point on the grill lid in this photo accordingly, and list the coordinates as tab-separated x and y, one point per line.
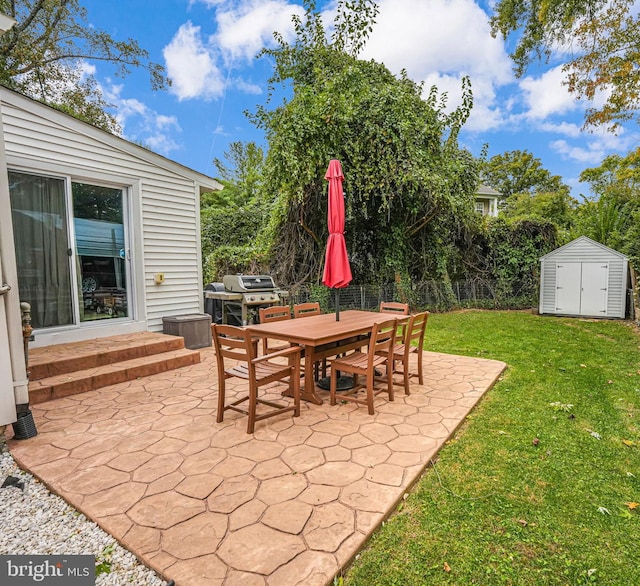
246	283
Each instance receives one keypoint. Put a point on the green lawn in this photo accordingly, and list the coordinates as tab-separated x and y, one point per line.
540	485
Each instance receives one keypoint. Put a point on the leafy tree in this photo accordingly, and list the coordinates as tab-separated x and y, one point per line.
231	218
616	177
557	207
612	216
604	37
42	56
515	172
506	254
408	185
241	175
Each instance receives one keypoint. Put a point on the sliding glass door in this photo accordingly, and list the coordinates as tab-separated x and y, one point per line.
98	219
70	249
43	256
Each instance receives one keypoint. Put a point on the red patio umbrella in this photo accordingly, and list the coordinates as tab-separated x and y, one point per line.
337	271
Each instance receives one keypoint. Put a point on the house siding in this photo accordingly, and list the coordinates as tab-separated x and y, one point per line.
165	218
580	251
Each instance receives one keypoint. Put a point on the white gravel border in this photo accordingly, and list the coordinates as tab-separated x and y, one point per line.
35	521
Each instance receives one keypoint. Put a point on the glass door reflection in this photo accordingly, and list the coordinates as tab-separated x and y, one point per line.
100	251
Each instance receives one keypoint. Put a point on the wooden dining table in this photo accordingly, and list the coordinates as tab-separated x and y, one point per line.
321	336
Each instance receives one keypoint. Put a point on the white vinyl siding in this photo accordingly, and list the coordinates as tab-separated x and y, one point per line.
165	219
585	250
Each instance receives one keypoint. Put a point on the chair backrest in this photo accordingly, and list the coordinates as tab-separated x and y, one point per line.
233	343
274	313
394	307
415	330
383	338
271	314
306	309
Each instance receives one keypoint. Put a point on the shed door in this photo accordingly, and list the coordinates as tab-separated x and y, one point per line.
594	289
568	284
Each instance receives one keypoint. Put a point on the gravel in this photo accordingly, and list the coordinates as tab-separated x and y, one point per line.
36	521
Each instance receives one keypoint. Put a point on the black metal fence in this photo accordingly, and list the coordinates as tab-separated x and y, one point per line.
431	295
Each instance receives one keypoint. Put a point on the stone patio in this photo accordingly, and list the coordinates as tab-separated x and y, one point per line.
204	503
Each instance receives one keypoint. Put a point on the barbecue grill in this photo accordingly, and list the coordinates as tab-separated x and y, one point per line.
243	293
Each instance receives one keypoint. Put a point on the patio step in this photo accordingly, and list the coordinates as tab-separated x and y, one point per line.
67	369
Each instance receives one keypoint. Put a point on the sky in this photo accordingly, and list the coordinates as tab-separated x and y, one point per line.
209	49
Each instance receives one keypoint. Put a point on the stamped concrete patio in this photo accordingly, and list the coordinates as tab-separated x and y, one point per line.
204	503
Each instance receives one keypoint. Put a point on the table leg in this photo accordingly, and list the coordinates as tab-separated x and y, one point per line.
308	391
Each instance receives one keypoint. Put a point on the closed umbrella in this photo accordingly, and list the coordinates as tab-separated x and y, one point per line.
337	271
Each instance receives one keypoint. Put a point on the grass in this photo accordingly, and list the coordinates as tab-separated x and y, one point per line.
540	484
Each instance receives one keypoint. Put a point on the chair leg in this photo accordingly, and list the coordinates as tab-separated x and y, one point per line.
407	389
221	388
333	385
370	380
420	379
253	400
390	379
295	382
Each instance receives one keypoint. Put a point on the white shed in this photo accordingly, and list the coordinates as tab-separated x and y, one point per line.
584	278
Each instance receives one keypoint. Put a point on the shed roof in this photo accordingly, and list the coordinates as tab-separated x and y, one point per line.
26	103
583	239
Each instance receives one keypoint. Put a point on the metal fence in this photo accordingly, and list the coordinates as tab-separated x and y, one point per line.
431	295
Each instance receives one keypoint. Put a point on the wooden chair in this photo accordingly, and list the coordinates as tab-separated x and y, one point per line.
306	309
383	337
414	332
394	307
270	314
235	344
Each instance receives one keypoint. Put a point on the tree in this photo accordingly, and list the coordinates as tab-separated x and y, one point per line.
231	218
241	174
409	188
43	55
616	178
515	172
557	207
613	215
604	38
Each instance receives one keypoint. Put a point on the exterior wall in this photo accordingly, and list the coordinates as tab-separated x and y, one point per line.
585	250
163	209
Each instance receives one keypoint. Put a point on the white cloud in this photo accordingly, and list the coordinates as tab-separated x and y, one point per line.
441	36
595	146
247	87
546	95
565	128
439	41
591	155
245	28
195	62
191	65
484	115
141	124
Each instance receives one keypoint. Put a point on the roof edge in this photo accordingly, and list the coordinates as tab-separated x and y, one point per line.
20	100
583	239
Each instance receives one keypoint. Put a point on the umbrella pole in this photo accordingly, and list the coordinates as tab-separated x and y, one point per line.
337	304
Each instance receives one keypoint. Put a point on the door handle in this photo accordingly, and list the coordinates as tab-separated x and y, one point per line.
5	289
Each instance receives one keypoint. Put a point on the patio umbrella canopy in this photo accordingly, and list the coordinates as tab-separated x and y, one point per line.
337	271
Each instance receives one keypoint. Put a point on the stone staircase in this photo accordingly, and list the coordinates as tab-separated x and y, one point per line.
67	369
